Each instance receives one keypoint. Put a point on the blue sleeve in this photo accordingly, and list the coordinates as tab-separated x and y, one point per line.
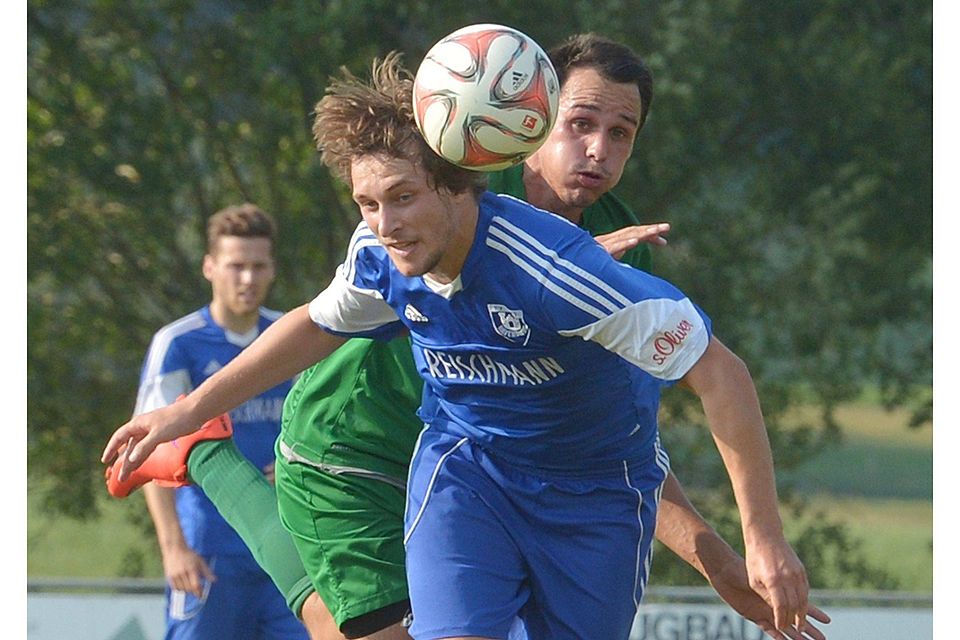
353	303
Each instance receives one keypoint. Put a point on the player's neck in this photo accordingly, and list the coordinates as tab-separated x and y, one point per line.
465	212
237	323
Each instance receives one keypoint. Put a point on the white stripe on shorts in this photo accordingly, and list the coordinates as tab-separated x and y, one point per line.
641	565
433	479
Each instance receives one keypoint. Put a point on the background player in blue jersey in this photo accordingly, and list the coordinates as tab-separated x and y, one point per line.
215	588
513	314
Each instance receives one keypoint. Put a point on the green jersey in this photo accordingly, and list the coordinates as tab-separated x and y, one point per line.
355	411
606	215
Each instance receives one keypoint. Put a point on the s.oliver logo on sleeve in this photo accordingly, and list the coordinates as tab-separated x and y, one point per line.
665	344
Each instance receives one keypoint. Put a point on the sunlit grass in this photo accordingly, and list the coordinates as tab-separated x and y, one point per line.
897	535
107	547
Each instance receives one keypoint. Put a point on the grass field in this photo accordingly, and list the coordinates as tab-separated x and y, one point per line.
897	535
879	457
878	481
59	547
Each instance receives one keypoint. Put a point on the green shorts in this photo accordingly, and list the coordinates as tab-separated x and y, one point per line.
348	530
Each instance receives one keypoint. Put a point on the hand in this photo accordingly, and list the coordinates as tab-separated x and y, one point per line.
776	572
732	584
185	570
622	240
137	439
269	473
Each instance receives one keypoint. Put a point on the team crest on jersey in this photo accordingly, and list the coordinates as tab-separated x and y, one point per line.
509	323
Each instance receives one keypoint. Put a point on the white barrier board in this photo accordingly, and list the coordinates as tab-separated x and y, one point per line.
717	622
52	616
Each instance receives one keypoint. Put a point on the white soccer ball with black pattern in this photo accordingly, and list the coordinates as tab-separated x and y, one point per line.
485	97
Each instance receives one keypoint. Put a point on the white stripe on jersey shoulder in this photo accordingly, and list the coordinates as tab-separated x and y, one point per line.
271	314
564	278
162	390
525	203
663	337
344	307
362	237
162	339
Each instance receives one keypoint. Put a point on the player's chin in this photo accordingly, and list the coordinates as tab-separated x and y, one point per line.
246	306
408	268
410	263
582	197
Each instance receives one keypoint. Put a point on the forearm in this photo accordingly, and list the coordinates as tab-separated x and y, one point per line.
684	531
162	506
183	568
733	414
287	347
741	439
730	403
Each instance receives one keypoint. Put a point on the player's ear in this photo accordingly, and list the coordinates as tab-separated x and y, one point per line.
208	266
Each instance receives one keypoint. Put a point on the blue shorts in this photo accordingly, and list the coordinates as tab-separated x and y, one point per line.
488	542
242	604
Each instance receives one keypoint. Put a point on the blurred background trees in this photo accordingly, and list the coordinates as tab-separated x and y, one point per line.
789	145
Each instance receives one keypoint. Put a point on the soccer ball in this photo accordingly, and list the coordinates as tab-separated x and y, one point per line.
485	97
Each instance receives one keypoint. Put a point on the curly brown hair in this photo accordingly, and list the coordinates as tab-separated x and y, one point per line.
357	118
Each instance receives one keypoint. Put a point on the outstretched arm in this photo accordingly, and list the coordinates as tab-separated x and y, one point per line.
622	240
732	408
684	531
289	346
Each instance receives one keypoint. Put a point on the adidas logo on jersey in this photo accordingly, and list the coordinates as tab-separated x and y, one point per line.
413	315
212	367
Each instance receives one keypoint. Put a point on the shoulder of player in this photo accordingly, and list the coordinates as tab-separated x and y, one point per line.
171	345
364	249
362	239
541	244
508	210
180	327
270	315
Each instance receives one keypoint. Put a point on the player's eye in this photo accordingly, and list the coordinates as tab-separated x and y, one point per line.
620	133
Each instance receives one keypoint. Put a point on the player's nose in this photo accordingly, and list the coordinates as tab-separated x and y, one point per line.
388	222
597	147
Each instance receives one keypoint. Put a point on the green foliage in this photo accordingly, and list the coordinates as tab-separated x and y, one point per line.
789	144
791	147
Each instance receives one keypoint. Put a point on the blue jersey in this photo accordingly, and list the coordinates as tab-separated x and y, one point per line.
544	350
181	356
